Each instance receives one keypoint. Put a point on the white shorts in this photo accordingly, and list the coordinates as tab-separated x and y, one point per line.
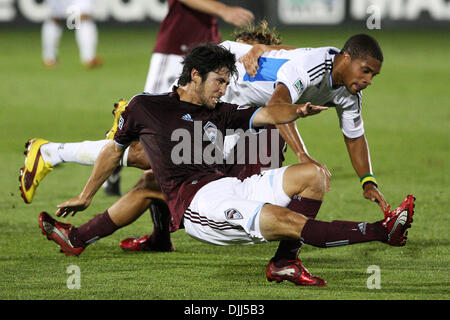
226	211
59	8
164	70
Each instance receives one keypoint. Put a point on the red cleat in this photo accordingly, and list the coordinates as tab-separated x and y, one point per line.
145	243
58	232
294	272
398	221
94	63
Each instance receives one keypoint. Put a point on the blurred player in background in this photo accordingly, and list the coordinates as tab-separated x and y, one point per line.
188	22
86	33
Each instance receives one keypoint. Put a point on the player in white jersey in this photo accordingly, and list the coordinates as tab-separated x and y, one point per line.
306	73
86	33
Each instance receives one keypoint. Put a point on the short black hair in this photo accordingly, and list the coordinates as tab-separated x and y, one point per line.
205	58
361	46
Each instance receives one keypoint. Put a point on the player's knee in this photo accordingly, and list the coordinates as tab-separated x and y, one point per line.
309	175
318	179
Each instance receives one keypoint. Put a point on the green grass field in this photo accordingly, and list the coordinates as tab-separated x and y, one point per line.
407	125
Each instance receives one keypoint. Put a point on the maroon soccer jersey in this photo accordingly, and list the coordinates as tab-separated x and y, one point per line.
182	142
260	156
184	27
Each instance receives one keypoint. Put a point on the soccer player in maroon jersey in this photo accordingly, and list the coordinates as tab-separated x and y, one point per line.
188	23
216	207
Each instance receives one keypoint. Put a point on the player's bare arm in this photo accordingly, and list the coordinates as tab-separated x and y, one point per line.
236	16
358	150
290	133
107	161
282	113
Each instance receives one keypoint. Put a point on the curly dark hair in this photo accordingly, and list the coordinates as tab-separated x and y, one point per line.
259	33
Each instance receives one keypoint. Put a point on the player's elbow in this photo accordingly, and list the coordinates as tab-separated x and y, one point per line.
262	118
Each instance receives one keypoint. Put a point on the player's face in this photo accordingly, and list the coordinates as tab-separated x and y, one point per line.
360	72
213	88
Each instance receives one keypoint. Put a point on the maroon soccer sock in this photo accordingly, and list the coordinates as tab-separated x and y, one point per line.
339	233
98	227
307	207
288	249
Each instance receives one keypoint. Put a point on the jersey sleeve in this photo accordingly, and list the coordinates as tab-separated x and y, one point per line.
238	49
128	127
350	118
294	77
241	117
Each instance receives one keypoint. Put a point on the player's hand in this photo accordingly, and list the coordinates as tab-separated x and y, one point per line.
237	16
372	193
323	167
307	109
72	206
250	59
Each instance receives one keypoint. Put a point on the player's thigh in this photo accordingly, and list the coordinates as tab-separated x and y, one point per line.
267	187
219	215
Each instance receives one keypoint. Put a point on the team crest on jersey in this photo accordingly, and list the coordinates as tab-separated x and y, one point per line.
233	214
210	131
299	86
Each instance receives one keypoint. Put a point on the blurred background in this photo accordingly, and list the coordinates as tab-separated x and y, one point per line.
279	13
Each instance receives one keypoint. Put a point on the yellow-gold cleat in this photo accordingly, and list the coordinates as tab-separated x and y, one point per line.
35	169
119	107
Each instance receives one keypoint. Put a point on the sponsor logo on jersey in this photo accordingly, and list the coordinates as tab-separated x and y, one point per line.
233	214
299	86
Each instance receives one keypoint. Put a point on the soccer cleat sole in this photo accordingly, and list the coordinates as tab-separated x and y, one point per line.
299	285
22	170
30	177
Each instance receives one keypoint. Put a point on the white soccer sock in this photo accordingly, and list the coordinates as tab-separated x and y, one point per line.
86	36
85	152
50	35
49	152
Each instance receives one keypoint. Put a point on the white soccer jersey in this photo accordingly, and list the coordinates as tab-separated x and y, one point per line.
306	72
